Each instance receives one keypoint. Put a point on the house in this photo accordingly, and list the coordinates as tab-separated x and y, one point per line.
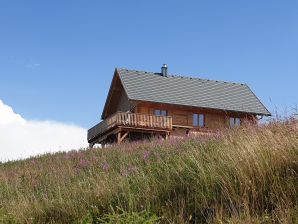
144	104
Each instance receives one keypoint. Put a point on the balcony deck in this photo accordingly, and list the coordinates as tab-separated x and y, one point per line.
132	121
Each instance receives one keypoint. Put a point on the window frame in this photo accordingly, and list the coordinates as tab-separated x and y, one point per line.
237	124
160	112
199	118
234	122
163	113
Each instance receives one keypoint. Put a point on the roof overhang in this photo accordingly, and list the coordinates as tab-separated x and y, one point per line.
111	89
108	99
203	108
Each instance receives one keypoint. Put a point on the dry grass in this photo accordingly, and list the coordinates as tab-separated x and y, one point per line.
245	175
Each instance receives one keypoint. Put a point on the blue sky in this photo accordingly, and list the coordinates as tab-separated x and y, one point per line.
57	57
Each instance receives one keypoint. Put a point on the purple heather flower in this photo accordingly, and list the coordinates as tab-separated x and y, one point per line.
132	169
105	166
146	156
80	154
84	163
126	172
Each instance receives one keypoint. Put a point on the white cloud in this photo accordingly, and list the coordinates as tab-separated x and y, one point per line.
7	116
20	138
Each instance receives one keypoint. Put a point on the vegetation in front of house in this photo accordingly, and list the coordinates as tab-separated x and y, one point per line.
245	175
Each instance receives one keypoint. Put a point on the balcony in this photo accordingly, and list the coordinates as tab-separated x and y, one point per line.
129	120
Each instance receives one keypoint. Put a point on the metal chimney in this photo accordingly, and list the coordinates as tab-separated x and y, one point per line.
164	70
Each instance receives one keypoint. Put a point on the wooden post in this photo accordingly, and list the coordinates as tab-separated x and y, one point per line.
119	138
167	136
124	136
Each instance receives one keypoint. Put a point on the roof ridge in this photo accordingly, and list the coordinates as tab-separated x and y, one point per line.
138	70
186	77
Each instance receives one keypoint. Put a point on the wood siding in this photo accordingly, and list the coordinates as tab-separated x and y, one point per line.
117	99
123	104
177	123
183	116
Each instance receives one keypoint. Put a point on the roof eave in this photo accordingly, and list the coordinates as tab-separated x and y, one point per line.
109	95
233	111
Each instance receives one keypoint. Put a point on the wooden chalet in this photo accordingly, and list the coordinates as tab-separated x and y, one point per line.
145	104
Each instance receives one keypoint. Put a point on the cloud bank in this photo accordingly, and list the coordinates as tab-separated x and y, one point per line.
20	138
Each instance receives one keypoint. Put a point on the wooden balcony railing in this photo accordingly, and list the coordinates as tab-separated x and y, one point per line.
130	120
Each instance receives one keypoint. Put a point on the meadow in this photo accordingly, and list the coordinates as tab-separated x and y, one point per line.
243	175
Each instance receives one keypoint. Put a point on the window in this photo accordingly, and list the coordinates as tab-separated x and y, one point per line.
232	122
160	112
163	113
198	120
235	121
157	112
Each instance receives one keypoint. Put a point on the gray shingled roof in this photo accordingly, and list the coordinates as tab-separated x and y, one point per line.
186	91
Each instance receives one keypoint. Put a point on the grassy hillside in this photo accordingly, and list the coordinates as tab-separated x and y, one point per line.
245	175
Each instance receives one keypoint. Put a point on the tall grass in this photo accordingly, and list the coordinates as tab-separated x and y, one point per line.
244	175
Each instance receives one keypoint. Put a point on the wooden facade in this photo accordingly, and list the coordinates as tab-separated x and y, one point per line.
182	116
136	119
